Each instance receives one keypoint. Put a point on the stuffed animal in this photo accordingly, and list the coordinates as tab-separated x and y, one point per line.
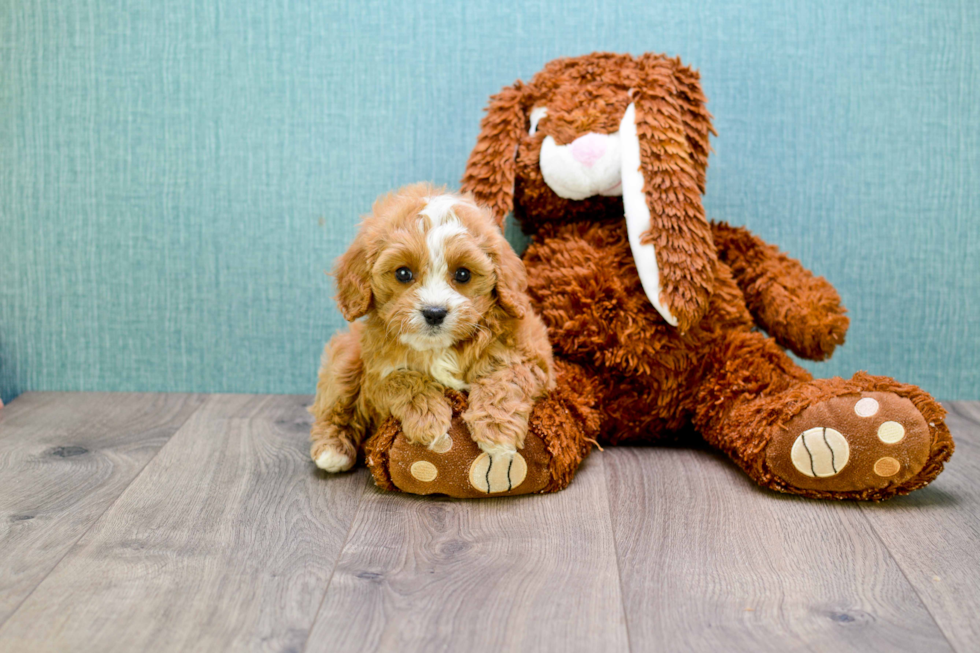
602	158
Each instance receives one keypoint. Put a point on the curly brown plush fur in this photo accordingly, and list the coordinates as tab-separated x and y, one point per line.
675	343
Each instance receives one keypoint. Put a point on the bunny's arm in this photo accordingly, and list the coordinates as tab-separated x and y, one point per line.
801	311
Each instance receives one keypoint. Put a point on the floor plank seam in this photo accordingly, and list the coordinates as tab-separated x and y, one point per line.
99	518
952	409
619	563
925	604
340	554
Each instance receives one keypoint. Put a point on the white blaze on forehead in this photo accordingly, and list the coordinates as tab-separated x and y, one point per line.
436	239
439	209
638	214
435	289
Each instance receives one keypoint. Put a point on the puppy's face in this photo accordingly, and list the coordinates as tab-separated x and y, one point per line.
431	266
432	281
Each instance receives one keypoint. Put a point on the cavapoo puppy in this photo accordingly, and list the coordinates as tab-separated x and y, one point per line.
442	297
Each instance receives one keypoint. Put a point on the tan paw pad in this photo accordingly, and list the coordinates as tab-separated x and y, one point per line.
887	466
424	471
820	452
890	433
866	407
500	472
442	444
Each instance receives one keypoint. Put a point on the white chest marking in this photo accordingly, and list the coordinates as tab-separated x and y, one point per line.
444	368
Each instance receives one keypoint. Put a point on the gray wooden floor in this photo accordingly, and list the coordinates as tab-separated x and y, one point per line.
189	522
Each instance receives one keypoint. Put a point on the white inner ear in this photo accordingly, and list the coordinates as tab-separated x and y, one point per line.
537	113
638	214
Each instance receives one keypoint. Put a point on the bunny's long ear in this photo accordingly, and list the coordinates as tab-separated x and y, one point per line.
697	120
662	184
491	167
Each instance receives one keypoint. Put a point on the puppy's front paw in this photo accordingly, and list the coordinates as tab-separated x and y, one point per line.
427	426
331	458
500	468
493	430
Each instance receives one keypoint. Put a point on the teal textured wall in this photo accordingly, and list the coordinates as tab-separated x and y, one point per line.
176	176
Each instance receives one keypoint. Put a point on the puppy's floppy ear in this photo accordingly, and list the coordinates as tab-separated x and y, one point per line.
352	272
492	164
664	138
511	278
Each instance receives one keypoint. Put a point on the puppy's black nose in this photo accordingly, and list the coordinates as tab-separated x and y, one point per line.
434	315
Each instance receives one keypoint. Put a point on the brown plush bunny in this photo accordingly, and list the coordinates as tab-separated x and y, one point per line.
603	158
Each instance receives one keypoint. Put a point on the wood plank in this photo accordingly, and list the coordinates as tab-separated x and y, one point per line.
64	458
709	562
225	542
934	533
522	573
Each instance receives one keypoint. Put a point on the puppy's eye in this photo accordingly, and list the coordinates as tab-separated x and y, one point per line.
462	275
404	275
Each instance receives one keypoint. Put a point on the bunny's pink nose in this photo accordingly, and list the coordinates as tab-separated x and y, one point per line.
589	148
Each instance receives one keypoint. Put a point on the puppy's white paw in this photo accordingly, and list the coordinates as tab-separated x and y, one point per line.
334	461
498	469
496	449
